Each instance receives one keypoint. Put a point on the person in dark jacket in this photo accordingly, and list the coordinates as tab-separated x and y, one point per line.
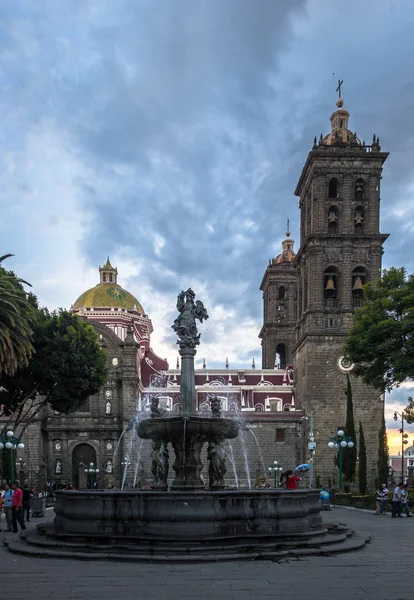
27	495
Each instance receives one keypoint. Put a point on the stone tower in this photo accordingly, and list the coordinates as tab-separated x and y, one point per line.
279	287
340	250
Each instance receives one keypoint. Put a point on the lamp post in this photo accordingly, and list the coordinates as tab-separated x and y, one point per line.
91	471
9	441
404	439
340	441
276	468
311	447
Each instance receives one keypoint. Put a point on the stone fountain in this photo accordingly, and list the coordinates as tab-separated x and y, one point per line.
188	432
188	522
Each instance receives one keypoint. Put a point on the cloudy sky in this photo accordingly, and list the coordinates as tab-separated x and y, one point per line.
170	134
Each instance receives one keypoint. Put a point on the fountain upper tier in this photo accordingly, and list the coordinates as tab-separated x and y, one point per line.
187	435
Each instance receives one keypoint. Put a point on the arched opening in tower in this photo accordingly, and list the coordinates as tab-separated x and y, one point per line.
280	361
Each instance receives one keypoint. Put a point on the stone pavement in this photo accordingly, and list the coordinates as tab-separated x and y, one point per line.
383	570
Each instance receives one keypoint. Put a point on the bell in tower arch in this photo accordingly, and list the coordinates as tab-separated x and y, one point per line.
357	284
330	285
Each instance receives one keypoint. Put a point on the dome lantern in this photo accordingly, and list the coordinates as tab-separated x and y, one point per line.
108	273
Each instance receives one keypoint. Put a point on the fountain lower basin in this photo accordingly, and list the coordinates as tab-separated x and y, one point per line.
185	515
186	527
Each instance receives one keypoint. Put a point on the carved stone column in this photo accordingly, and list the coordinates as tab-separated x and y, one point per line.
187	383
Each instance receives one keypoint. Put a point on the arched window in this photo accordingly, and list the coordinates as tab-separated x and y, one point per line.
330	286
333	219
333	188
280	361
359	279
359	190
359	217
281	294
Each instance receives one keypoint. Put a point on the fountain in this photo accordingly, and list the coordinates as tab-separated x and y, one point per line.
188	432
187	522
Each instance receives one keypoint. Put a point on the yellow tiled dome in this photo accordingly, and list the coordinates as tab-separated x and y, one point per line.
108	295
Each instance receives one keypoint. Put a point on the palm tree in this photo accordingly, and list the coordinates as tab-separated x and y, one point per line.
16	315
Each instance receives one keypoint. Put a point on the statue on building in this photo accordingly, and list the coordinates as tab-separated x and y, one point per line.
160	464
58	467
185	324
109	466
108	408
217	465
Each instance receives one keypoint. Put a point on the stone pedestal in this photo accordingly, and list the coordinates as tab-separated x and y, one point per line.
187	384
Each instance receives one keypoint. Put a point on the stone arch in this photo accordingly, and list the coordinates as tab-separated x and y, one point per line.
83	452
333	219
359	189
359	279
333	188
281	355
331	282
281	293
359	218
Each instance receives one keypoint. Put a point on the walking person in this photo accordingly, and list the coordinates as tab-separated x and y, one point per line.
1	509
381	499
27	495
396	501
8	506
17	501
404	500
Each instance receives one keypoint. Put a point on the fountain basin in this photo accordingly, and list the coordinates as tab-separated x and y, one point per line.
137	515
175	428
186	527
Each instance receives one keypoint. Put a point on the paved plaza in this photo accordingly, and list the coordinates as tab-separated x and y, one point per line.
383	570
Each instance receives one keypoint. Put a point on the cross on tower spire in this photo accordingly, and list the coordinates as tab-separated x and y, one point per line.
338	89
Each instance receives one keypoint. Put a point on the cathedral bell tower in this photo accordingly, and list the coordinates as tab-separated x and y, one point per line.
340	251
279	304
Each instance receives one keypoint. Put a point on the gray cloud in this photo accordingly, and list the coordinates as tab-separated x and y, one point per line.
190	122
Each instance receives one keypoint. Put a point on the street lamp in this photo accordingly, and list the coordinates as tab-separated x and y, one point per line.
91	471
276	468
340	441
404	439
11	443
311	447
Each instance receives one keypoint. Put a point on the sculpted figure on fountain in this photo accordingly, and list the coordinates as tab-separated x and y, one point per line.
217	465
160	464
185	324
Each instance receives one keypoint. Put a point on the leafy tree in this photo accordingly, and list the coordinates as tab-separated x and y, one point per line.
16	314
362	471
67	367
349	455
381	341
383	454
409	410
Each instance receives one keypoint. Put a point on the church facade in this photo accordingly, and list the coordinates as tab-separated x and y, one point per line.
309	297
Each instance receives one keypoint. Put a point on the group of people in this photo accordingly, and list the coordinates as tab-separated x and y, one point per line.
15	504
399	500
